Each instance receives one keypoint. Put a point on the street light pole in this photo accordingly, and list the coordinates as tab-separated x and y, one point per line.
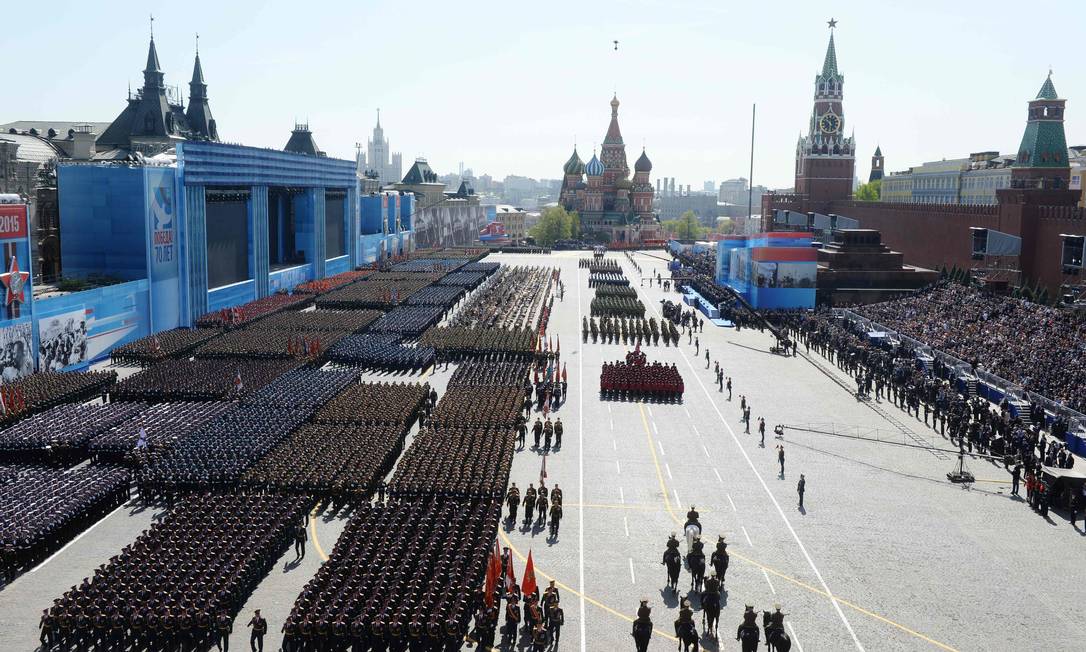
750	181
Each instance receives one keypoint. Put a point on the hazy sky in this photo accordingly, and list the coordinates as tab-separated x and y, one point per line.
505	87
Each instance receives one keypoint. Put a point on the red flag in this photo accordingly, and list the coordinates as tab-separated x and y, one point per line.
563	372
557	342
528	586
491	582
548	343
510	578
493	572
543	470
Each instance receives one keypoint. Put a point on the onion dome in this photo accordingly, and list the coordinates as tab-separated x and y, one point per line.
594	168
574	165
643	163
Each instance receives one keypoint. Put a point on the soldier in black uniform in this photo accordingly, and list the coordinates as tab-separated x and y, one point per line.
537	431
720	558
260	628
224	625
642	627
299	542
748	633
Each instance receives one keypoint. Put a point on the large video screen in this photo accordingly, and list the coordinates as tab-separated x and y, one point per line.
227	242
333	226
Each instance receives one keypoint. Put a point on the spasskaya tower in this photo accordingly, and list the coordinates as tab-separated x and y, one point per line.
825	157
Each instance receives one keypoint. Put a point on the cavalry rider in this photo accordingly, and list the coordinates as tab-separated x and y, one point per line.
712	585
685	621
642	627
748	633
672	544
697	549
693	517
720	558
776	622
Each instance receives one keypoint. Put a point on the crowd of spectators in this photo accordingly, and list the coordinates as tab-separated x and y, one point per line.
1039	348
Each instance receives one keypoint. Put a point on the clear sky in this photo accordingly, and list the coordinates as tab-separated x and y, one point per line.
505	87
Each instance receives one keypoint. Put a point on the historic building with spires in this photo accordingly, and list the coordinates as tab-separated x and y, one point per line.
612	207
379	161
1029	190
826	157
155	118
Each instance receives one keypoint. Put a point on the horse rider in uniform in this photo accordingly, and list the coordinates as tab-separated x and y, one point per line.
672	544
692	517
776	621
748	633
712	584
720	558
642	627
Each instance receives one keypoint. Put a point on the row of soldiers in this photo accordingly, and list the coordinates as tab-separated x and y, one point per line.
624	330
536	502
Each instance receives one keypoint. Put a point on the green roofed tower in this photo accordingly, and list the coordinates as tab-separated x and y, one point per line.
1042	156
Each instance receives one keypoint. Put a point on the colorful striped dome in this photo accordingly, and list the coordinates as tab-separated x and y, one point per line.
594	168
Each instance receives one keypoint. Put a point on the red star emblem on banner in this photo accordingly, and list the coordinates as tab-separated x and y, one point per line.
15	282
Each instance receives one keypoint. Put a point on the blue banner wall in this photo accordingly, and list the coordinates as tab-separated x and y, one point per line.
163	248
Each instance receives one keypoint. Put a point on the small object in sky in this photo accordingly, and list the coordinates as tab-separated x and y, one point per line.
616	44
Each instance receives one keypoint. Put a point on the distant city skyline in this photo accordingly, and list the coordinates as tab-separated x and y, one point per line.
687	74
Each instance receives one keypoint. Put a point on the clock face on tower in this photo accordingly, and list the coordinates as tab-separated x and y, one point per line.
829	123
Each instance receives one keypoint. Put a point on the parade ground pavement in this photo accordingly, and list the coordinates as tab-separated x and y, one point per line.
885	555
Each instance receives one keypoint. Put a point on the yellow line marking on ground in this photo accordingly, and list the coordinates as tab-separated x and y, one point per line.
564	587
313	533
773	571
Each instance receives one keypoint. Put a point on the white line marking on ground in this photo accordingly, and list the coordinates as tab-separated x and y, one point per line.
618	468
706	452
749	542
696	431
795	640
734	508
649	408
85	532
633	580
580	472
668	471
719	479
777	505
768	582
607	404
687	411
677	501
612	422
765	487
654	428
614	444
621	496
660	446
626	526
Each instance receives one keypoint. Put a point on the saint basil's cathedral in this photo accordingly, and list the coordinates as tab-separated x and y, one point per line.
612	208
